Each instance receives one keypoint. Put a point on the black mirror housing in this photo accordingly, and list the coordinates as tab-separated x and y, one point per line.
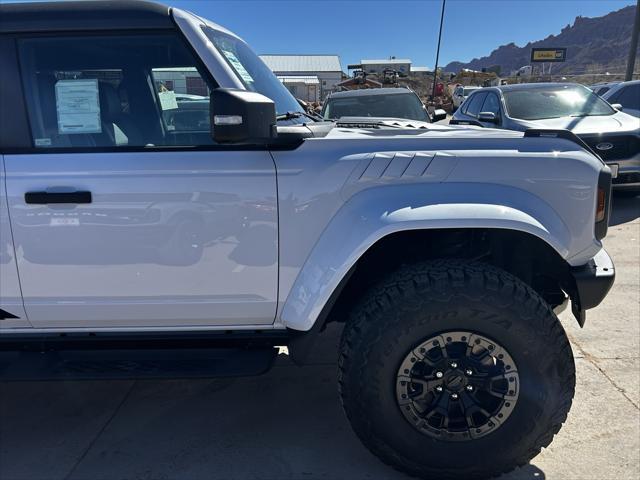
488	117
438	114
242	117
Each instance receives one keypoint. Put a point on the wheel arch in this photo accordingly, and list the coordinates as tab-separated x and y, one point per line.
367	225
540	267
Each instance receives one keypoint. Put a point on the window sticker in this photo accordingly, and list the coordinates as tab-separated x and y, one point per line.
233	60
168	100
43	142
78	106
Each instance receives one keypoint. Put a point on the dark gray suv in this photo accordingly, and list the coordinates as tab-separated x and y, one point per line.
400	103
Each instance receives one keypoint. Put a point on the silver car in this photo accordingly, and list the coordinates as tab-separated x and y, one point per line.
612	134
625	96
460	94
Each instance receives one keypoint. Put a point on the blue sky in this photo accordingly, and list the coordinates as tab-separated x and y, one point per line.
380	28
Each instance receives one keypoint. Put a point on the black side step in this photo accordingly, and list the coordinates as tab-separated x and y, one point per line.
135	364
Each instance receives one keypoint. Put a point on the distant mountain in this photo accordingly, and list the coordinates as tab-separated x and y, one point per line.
594	45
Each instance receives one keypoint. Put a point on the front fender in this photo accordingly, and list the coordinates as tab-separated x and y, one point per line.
374	213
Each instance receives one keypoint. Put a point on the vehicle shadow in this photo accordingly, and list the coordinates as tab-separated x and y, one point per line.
528	472
624	209
286	424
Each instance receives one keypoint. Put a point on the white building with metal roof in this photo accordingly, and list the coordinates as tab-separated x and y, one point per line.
308	77
304	87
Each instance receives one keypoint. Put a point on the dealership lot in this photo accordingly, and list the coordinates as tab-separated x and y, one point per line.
288	424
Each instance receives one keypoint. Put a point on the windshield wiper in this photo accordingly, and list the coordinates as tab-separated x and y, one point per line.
288	116
292	115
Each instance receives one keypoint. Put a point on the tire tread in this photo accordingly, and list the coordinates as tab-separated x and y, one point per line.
367	325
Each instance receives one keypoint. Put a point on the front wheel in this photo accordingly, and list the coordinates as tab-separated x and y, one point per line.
454	369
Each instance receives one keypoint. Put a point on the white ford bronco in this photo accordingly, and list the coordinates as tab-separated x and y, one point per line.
167	209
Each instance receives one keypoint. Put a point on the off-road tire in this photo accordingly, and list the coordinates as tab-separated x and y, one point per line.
420	301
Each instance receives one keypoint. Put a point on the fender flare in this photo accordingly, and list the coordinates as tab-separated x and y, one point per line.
374	213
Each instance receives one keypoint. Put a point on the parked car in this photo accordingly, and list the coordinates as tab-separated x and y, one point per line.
460	94
603	87
626	97
400	103
612	134
445	251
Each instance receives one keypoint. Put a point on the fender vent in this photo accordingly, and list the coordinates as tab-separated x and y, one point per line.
396	165
4	315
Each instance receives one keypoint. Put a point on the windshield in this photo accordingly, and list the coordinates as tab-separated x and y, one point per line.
405	105
467	91
252	71
554	102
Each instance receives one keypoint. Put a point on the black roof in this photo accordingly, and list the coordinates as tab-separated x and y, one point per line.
83	15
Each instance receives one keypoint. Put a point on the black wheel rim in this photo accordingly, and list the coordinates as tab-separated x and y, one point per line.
457	386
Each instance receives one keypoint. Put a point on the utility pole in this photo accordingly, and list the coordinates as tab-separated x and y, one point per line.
435	69
633	49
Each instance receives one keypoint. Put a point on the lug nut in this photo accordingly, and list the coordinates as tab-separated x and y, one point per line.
439	374
454	365
469	388
469	372
438	389
454	396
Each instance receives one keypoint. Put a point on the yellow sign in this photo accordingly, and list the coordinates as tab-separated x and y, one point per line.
548	54
544	55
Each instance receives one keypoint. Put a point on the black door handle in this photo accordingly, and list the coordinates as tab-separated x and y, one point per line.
44	198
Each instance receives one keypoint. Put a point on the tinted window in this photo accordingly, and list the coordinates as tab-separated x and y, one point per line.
555	101
491	104
629	97
474	102
114	91
405	105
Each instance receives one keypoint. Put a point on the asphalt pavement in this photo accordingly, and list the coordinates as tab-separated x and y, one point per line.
288	423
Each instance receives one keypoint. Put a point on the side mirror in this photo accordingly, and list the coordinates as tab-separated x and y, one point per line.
241	117
488	117
438	115
617	106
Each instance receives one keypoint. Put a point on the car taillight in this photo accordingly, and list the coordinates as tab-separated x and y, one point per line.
601	209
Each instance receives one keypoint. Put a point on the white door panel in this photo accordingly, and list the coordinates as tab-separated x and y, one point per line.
10	296
169	239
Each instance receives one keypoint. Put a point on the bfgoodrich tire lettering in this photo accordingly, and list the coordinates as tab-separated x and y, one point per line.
421	301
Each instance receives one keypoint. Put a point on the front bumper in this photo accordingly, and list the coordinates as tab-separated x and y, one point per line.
627	181
591	283
623	158
628	173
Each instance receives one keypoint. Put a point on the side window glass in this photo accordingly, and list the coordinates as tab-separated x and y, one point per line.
474	103
630	97
491	104
114	91
184	99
